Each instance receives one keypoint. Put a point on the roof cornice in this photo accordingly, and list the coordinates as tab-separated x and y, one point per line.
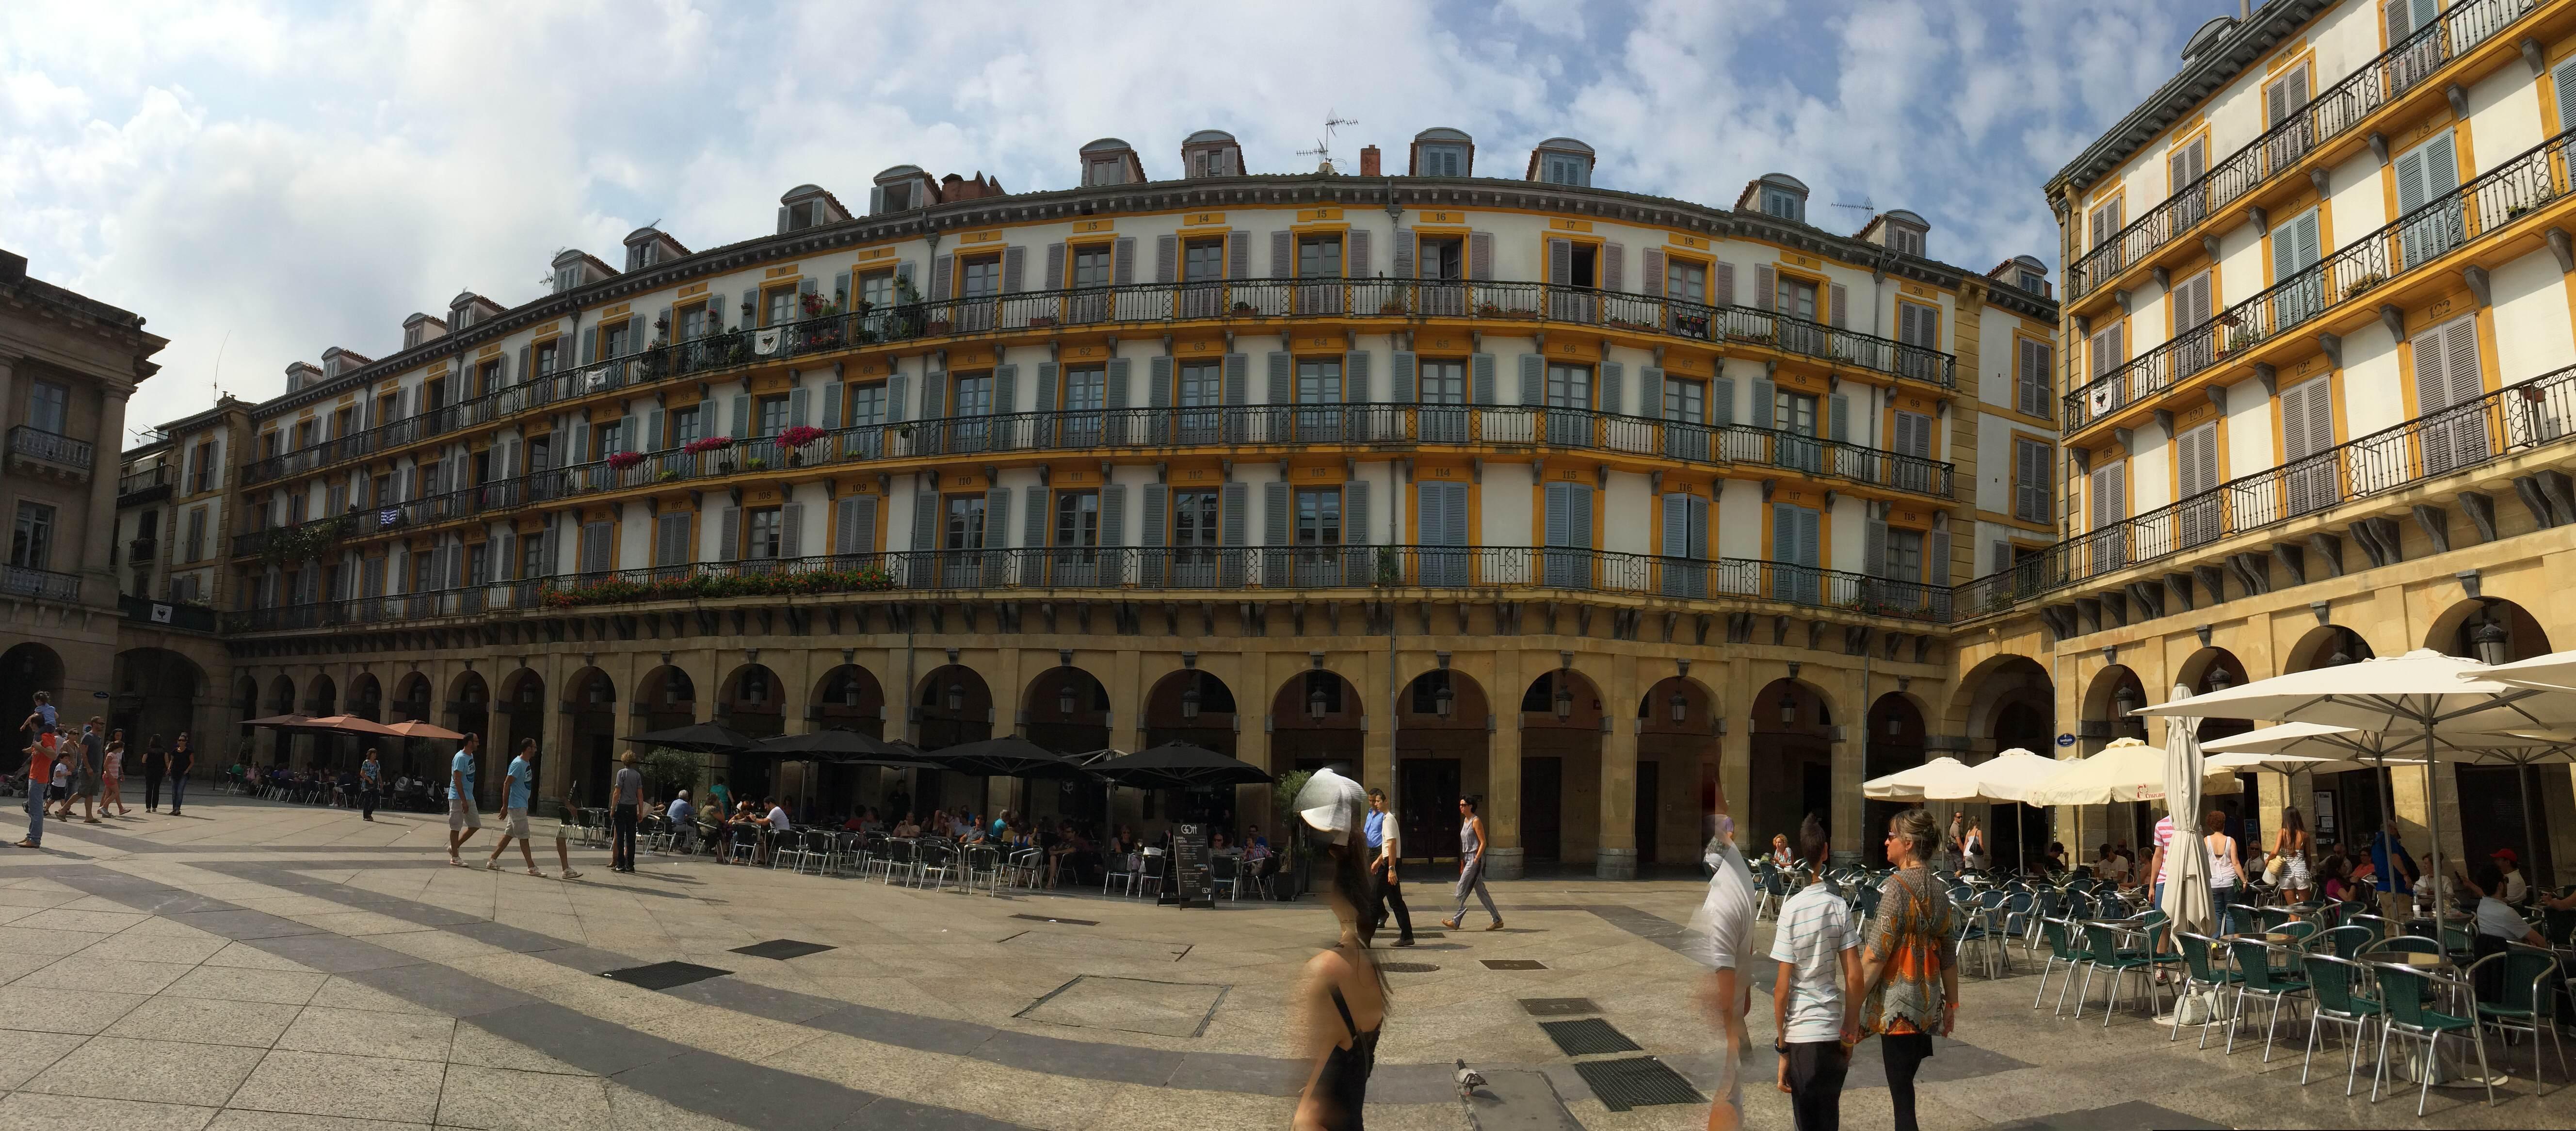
2244	46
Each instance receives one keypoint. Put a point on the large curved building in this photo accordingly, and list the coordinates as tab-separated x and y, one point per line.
1533	490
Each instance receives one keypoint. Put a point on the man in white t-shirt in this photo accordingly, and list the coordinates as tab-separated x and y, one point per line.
1819	955
2112	868
1725	921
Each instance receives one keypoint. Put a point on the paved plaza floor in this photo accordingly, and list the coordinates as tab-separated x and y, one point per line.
255	966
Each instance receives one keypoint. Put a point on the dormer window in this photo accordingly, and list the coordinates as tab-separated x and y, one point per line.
1107	172
1208	163
1906	240
1783	204
1444	160
1564	170
898	198
566	278
804	214
2034	282
411	336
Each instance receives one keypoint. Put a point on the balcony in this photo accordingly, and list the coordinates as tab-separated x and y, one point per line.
2532	414
1427	572
49	453
148	485
140	550
38	584
2473	215
1391	301
1241	429
2287	146
167	614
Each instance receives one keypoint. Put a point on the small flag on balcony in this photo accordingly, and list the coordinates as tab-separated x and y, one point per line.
765	342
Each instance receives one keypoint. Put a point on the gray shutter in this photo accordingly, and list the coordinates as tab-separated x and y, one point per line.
1149	515
1480	256
1033	524
832	405
1936	565
1761	403
1614	267
939	274
1118	379
1122	263
1044	401
1677	526
791	530
1838	420
864	539
1766	280
1158	383
1355	514
589	344
1355	261
2002	552
1580	522
653	441
1482	377
1280	392
896	391
750	302
1167	258
1723	293
1113	515
1560	262
1653	282
1404	268
997	520
1006	389
1238	255
1614	393
1274	520
934	395
876	200
741	416
796	402
1015	263
1230	524
1238	376
1842	304
525	372
1873	552
1533	379
507	553
670	544
729	535
1651	387
925	520
841	291
1408	369
1430	512
1283	255
846	524
1054	268
1558	512
1355	377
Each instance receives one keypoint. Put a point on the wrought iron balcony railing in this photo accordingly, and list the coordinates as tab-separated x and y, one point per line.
168	614
1148	304
50	447
40	584
1443	568
2462	217
2404	66
140	486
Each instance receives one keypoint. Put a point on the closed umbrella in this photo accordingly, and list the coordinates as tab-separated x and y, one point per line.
2187	901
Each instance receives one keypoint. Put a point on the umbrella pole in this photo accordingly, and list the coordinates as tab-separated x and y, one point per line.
2433	815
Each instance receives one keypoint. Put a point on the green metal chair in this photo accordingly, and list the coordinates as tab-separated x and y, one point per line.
2272	917
2528	1003
2255	975
2109	955
2198	970
2459	941
2297	930
2056	932
2401	944
2404	991
2344	942
2336	984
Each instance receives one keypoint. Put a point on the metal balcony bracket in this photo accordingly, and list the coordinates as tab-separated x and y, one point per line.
2379	146
2293	559
2328	552
2270	377
2458	97
2261	220
2122	297
2164	278
2527	489
2480	507
2213	581
2127	438
2475	277
2332	344
2436	522
2165	422
2217	395
2532	57
2209	247
2253	571
2563	247
2178	591
2471	583
2319	180
2150	598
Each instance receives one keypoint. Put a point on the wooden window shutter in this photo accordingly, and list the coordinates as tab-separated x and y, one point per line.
831	406
729	535
1842	305
1614	267
1407	381
1481	378
1356	254
1044	400
1280	391
1275	516
1480	256
1122	263
1167	258
1015	263
1873	550
1653	282
1355	377
1055	276
1724	294
865	540
1119	370
1158	382
1560	262
1006	390
1533	380
1283	254
1838	418
1355	514
898	390
845	523
925	520
2460	341
1762	394
1404	248
942	274
1766	280
1614	392
1558	505
1238	255
1677	526
1230	522
1149	515
1721	401
1238	378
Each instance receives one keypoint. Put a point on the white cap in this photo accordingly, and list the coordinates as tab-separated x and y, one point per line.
1333	805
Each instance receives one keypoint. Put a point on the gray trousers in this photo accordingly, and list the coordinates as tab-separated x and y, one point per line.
1473	879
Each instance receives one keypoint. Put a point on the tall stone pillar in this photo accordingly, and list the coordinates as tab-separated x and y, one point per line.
1252	744
1848	751
1377	714
1617	857
98	538
1506	858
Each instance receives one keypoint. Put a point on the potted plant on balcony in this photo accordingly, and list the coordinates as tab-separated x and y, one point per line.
625	461
2363	283
667	476
1393	307
724	444
797	437
1242	309
755	463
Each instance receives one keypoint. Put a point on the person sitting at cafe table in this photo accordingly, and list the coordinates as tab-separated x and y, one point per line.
1217	846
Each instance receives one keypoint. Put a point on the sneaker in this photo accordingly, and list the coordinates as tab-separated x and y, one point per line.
1405	941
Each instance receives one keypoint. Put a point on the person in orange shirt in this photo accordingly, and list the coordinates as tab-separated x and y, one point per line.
40	766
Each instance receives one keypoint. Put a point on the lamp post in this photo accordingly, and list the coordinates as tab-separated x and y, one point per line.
2492	642
1190	698
1443	700
956	696
1564	701
1681	707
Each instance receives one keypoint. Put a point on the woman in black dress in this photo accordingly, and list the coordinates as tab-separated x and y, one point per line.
155	764
1342	1001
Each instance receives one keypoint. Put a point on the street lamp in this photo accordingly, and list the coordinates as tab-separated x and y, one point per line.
1315	700
1064	700
1564	701
1681	707
2126	700
1789	708
2491	641
1443	700
2218	679
1190	698
956	696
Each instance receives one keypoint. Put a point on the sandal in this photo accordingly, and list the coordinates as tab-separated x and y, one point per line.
492	866
536	873
569	875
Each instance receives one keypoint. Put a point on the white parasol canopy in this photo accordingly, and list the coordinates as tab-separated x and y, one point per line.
2007	778
2126	770
2556	670
2305	748
1916	783
2187	899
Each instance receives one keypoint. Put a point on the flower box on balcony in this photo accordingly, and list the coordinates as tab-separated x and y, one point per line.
799	436
2363	283
625	460
936	328
1625	324
1391	308
1042	322
711	443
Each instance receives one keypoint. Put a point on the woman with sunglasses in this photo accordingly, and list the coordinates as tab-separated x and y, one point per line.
1911	969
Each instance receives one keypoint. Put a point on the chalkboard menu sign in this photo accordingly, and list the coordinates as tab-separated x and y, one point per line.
1192	878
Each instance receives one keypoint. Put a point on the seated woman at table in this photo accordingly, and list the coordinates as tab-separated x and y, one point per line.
2337	884
1219	846
907	827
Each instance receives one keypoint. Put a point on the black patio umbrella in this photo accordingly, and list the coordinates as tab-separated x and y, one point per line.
1007	757
697	738
1178	765
824	745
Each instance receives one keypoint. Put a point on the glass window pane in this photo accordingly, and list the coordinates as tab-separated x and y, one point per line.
1202	386
1319	382
1091	266
1203	262
1086	390
982	277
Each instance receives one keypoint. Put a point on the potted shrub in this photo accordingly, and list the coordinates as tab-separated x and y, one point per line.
755	463
667	476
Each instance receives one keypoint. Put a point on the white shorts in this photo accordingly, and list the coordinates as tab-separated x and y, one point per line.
461	816
517	821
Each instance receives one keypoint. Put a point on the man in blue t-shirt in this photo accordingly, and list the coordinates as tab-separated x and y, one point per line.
2395	902
463	821
516	788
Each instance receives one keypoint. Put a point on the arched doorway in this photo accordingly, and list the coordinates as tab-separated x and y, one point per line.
2205	671
2503	806
1895	743
1315	722
469	709
367	698
1676	771
667	697
281	701
1193	706
26	669
321	697
245	708
955	706
522	711
1068	711
849	698
1441	747
590	697
752	700
1793	762
156	697
1560	720
2114	692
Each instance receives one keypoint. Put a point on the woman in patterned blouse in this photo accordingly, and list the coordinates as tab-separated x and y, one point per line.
1912	965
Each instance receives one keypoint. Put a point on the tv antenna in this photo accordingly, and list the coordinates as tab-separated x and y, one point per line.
1866	206
1323	151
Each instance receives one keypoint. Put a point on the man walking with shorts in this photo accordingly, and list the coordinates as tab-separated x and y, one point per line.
515	789
462	819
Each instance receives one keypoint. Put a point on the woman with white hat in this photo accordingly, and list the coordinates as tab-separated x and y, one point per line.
1341	1000
1725	921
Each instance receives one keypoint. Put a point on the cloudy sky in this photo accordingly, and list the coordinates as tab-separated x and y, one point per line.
265	180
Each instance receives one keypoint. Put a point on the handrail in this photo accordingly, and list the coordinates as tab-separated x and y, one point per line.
1377	426
52	447
1146	568
1145	303
2519	417
2277	150
41	584
2488	202
135	482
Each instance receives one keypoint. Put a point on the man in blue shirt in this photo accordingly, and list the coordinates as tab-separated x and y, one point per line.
515	790
1384	851
463	820
2395	902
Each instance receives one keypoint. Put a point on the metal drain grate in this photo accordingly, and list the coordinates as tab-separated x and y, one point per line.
1638	1081
1407	967
1558	1006
782	949
1052	919
1590	1035
665	975
1514	964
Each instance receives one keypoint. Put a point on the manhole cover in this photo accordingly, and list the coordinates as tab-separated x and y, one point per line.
1130	1005
782	949
1638	1081
665	975
1590	1035
1514	964
1067	922
1407	967
1558	1006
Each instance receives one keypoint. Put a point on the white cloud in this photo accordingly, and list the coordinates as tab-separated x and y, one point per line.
269	182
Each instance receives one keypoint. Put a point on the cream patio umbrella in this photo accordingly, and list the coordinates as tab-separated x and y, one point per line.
2004	779
2420	700
1916	783
2555	671
2126	770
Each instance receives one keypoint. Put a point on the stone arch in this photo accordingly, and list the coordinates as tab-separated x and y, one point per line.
521	708
2468	624
1192	705
1442	749
1677	798
1985	693
1560	715
1315	718
157	694
321	696
411	698
468	708
848	697
281	695
666	698
2105	705
2501	806
367	697
2319	647
1791	732
590	698
1896	740
1068	710
955	705
753	700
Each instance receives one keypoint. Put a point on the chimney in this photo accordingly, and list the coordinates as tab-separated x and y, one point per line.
1368	161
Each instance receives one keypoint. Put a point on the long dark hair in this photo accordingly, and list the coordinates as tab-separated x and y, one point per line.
1350	884
2294	823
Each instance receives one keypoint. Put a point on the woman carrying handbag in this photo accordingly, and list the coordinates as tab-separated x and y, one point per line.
1911	967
